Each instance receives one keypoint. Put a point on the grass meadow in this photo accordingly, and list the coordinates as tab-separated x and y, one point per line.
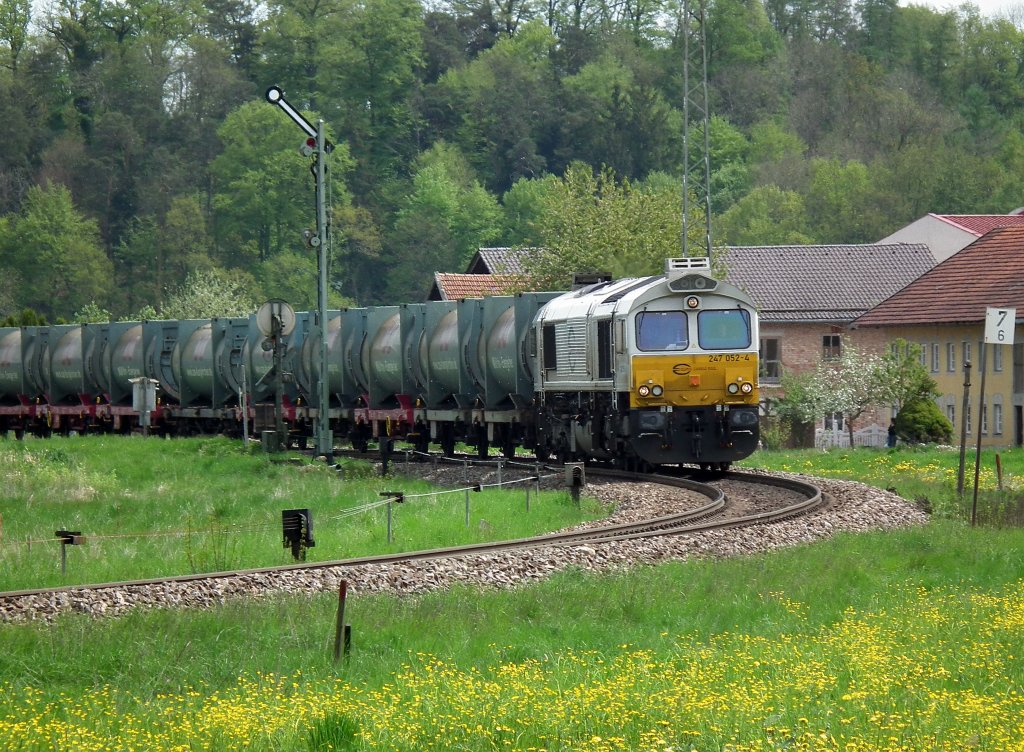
899	640
152	507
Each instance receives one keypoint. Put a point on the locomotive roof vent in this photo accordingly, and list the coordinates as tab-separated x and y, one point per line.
586	279
690	274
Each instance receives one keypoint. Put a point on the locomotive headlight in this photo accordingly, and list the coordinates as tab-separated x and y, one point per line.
657	391
692	302
644	390
746	387
733	388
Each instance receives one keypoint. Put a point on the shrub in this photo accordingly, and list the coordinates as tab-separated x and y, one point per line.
921	421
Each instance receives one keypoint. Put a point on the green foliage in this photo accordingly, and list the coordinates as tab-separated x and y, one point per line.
829	123
210	294
62	250
91	314
27	317
595	223
902	378
767	215
448	216
921	421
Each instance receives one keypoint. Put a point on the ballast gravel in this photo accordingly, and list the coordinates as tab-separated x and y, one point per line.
851	507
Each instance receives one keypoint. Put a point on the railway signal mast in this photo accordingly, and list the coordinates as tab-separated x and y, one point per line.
696	114
317	146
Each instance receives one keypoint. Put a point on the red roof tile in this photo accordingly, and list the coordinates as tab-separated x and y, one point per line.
988	272
979	224
458	286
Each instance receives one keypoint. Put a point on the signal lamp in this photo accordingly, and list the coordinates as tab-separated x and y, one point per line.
733	388
657	391
644	390
746	387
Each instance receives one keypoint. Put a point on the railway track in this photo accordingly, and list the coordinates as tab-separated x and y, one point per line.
711	514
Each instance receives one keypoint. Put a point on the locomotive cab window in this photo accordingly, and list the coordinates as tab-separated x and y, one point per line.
723	330
661	330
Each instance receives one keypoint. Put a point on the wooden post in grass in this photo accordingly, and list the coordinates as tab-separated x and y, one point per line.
340	630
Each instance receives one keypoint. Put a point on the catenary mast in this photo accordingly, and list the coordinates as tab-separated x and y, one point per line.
696	120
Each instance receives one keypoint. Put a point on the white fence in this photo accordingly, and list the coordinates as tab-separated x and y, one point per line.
872	436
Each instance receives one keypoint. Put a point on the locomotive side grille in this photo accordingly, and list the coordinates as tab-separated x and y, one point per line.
571	341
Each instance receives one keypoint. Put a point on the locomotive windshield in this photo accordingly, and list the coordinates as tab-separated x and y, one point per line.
661	330
723	330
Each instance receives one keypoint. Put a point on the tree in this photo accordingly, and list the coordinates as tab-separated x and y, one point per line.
902	378
766	216
370	77
264	194
501	109
441	223
56	251
596	223
842	203
15	16
847	385
211	294
617	117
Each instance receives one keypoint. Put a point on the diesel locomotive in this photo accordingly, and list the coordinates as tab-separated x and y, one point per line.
638	372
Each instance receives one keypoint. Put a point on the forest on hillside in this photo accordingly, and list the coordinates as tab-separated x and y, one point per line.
140	158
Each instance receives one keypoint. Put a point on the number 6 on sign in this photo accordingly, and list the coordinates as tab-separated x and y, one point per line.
999	325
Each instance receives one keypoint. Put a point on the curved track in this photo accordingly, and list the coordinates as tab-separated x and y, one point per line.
710	515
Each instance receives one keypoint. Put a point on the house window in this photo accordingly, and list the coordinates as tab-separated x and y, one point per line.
967	352
923	354
935	357
951	357
831	346
833	421
984	419
997	358
951	414
771	361
997	419
967	418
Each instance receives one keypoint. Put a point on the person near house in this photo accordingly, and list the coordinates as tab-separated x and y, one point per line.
891	442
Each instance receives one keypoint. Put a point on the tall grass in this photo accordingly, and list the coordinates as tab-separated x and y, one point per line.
151	507
928	475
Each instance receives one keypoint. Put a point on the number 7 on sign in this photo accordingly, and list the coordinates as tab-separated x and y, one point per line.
999	325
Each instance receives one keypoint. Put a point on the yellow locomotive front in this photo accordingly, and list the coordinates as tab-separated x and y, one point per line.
693	373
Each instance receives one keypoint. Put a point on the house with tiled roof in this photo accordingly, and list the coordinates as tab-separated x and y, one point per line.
946	234
491	271
497	261
449	286
944	311
807	298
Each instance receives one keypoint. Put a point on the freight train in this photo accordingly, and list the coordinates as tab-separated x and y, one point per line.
638	372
